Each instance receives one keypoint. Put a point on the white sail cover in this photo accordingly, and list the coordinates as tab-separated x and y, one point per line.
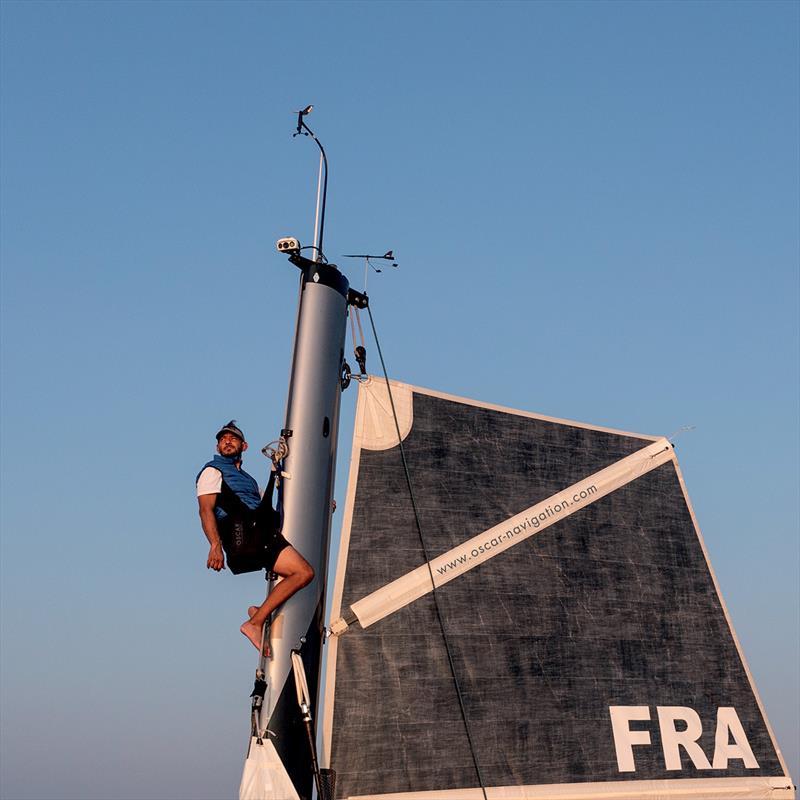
264	776
592	649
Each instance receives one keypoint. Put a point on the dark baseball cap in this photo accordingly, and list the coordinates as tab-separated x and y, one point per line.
230	427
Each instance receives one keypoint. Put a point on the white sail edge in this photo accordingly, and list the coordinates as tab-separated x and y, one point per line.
688	788
732	629
377	430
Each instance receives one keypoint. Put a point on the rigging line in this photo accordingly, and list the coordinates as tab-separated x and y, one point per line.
360	329
428	562
351	314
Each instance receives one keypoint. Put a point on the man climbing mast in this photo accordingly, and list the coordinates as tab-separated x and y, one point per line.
238	522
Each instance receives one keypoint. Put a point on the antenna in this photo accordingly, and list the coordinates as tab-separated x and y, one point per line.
322	184
387	256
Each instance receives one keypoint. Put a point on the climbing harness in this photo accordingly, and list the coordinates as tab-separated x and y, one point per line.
277	451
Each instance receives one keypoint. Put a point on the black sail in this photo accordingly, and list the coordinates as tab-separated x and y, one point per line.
598	636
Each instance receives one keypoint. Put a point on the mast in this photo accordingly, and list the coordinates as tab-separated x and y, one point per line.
310	432
281	762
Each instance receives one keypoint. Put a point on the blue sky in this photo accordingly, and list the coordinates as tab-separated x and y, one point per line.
595	211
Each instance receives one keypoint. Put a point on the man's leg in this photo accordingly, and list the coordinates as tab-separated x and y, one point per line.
296	573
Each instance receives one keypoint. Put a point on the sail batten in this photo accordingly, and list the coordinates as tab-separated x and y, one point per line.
584	652
508	533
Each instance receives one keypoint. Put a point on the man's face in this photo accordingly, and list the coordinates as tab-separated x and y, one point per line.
230	445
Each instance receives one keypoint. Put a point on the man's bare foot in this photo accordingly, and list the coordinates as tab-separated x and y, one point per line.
257	642
253	633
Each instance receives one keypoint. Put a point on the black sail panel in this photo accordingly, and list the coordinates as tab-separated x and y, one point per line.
613	606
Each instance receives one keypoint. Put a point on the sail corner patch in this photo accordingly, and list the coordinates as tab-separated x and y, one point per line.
375	424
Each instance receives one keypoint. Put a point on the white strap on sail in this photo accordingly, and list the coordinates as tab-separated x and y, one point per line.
501	537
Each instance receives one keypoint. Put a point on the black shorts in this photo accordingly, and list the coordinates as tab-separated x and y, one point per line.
251	544
276	544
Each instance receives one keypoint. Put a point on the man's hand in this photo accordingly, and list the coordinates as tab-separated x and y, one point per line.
216	558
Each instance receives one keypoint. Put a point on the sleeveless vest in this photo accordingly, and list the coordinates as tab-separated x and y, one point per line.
239	490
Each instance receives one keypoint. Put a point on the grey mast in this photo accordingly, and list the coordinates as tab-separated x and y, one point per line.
312	419
306	459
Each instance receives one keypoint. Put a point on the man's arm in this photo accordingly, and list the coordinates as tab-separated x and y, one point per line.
216	558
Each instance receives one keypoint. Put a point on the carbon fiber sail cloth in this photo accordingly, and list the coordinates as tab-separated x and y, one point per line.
595	650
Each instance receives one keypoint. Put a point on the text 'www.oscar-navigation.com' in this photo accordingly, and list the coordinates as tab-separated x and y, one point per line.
523	525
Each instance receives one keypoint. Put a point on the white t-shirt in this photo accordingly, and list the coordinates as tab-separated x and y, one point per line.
209	482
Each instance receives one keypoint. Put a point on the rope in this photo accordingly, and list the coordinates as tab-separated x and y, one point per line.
359	350
358	322
428	562
352	326
355	319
